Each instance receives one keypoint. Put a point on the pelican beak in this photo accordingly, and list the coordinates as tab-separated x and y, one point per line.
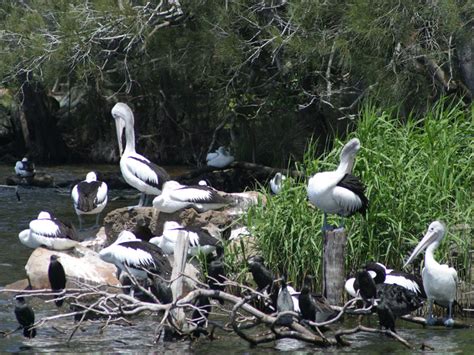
429	238
119	126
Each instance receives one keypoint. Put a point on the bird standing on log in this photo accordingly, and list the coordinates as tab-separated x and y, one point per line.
138	171
439	280
339	192
25	316
89	197
57	278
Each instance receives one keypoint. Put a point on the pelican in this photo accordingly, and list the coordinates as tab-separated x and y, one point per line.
49	232
379	272
276	183
339	192
220	158
199	239
137	170
89	197
439	280
25	168
176	197
141	258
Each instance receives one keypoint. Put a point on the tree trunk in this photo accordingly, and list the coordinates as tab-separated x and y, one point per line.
42	136
334	274
465	53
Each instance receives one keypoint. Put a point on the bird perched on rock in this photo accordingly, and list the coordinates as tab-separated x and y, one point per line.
339	192
57	278
25	316
50	232
89	197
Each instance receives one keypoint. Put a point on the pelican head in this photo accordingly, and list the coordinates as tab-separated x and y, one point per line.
435	233
91	176
171	225
25	159
348	154
44	215
171	185
122	114
125	236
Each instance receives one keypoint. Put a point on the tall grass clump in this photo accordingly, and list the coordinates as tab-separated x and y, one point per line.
415	170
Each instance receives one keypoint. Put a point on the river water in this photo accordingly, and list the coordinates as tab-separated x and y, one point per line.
15	216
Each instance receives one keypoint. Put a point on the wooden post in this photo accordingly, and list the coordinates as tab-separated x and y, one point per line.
179	264
334	274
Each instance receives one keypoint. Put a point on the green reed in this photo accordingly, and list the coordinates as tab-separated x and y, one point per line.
415	172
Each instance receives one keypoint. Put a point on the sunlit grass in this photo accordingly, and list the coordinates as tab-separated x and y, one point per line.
415	171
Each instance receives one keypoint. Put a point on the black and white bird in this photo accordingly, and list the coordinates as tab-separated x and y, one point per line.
200	241
390	300
220	158
25	316
313	307
57	278
89	197
138	171
276	183
50	232
139	257
439	280
176	196
379	272
284	304
25	168
339	192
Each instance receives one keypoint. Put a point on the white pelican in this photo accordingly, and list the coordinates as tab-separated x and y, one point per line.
220	158
25	168
141	258
137	170
380	273
199	239
439	280
89	197
49	232
339	192
276	183
176	197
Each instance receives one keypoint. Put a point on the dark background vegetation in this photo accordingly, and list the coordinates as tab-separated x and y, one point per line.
259	76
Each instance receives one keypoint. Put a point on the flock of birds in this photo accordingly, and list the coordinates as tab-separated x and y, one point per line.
338	192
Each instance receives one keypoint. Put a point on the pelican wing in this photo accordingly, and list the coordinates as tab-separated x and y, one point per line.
349	195
146	255
101	193
147	171
197	194
51	228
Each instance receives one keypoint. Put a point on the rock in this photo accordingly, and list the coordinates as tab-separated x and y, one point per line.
94	242
39	180
214	221
87	268
18	285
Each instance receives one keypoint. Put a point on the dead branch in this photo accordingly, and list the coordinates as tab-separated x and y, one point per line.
361	328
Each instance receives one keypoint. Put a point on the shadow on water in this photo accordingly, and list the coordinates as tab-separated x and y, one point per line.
15	216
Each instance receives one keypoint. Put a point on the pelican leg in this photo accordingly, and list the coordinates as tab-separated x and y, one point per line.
142	200
430	320
97	220
326	227
450	321
79	217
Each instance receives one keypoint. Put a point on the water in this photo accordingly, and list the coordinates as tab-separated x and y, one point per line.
15	216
